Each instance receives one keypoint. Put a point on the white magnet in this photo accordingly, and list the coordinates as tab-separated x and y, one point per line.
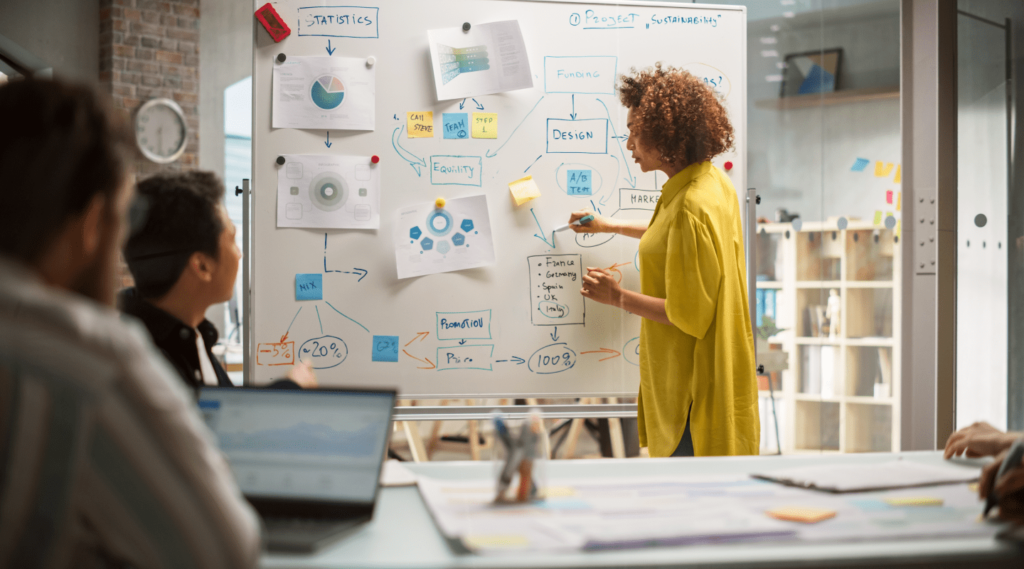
370	61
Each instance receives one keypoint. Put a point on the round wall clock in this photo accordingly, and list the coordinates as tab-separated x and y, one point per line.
160	130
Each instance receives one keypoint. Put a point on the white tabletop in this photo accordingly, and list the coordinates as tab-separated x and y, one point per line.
402	533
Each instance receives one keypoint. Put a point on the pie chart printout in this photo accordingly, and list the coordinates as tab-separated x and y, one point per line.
327	92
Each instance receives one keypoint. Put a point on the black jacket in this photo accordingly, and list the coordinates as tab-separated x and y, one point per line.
177	341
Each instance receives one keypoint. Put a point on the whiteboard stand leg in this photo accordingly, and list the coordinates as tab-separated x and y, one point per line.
615	434
574	434
435	432
474	436
416	448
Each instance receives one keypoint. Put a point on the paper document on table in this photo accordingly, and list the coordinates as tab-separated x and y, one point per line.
324	93
595	514
864	477
489	58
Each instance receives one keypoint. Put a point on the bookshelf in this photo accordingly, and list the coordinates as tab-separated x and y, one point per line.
840	393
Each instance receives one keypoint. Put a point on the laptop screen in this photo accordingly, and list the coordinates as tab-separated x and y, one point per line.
283	443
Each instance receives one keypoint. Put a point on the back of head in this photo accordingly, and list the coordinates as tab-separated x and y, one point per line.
176	215
61	146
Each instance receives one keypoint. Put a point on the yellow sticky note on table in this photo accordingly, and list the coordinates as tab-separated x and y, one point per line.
914	501
524	190
420	124
802	515
485	125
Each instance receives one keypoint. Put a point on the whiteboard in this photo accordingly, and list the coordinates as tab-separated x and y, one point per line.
520	327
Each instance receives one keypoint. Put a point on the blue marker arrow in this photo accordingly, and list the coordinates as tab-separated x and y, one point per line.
532	163
462	342
355	271
631	180
541	229
572	115
489	155
329	50
479	107
416	162
328	142
554	335
462	104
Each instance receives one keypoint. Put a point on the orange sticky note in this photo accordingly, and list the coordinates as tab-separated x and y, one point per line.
802	515
898	176
421	124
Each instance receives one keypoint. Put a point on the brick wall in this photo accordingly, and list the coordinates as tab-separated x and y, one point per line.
150	49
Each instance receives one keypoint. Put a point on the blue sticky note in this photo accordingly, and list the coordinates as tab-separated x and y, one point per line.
860	164
385	348
309	286
456	125
579	183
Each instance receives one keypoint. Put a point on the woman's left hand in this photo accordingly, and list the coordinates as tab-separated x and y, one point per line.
602	286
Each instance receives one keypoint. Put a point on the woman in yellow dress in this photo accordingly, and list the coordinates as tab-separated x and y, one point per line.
698	390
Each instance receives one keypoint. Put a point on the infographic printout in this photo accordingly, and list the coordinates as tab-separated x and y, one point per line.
432	239
489	58
328	192
334	93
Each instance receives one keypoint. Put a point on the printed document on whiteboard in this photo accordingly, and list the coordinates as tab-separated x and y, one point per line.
332	93
432	240
489	58
328	192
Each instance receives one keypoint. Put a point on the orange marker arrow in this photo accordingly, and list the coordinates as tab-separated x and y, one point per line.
614	353
428	362
615	268
419	336
283	338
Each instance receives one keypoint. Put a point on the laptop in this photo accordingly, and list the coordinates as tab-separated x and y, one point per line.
309	461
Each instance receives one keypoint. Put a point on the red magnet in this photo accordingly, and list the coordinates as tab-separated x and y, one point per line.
728	165
375	159
273	22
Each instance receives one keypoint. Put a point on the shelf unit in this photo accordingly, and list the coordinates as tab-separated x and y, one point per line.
862	264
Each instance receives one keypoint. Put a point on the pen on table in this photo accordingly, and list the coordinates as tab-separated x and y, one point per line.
580	221
1012	460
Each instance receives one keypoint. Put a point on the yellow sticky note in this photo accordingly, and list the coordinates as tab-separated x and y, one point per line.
524	190
421	124
802	515
899	226
899	200
494	541
914	501
898	176
882	169
485	125
878	217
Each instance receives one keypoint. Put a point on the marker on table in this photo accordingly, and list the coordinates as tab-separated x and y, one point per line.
580	221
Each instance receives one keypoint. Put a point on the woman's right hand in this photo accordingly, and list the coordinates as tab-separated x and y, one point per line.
599	224
979	439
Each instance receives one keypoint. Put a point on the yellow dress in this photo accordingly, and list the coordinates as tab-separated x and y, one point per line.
692	256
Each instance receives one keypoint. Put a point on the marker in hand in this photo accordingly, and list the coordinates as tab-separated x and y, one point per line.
578	222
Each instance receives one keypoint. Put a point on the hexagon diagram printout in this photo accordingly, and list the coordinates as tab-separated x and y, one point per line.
431	239
328	192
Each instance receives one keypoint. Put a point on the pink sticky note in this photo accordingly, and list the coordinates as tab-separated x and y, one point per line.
888	197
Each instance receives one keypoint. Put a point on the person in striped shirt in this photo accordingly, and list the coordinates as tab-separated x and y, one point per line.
104	459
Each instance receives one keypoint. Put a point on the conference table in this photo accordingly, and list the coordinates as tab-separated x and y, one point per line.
402	533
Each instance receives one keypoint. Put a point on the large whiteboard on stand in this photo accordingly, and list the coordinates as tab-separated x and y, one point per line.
518	327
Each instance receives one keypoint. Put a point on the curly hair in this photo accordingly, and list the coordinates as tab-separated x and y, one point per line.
676	115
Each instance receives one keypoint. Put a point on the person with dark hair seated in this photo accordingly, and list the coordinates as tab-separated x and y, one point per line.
104	459
184	259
